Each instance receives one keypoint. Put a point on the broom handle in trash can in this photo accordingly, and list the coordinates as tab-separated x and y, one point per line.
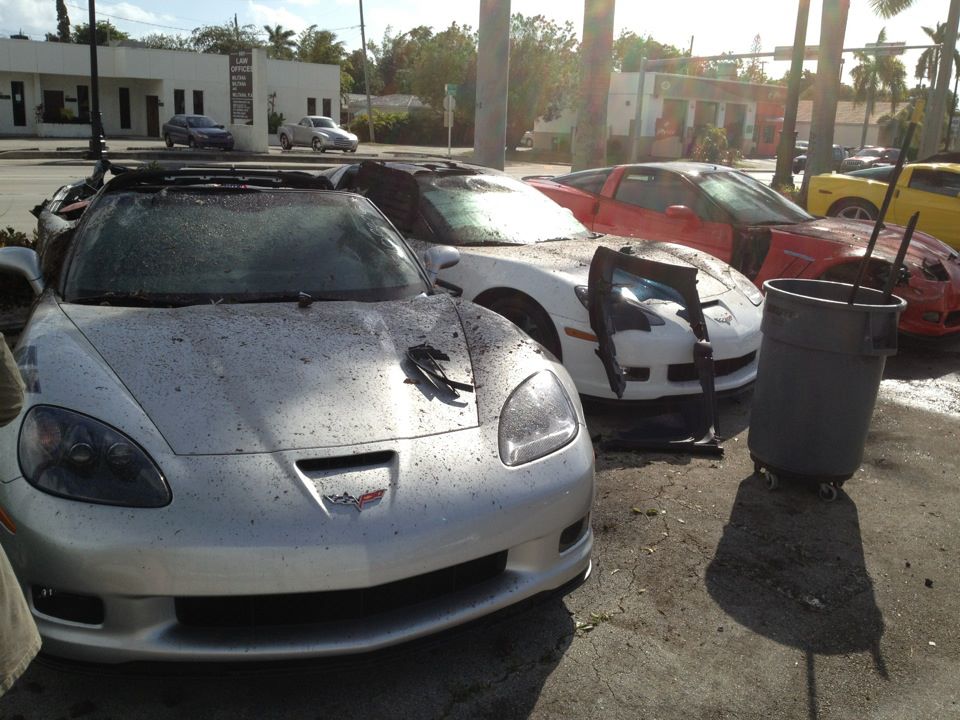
891	187
898	263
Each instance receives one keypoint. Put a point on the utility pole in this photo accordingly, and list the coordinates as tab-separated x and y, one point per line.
98	145
366	79
933	118
493	81
788	135
833	26
597	62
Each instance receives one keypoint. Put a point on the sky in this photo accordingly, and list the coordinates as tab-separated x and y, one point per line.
714	27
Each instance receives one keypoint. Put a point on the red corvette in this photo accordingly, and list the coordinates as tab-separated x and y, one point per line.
762	234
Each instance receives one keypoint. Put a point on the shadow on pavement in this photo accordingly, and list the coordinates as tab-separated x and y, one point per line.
791	568
492	668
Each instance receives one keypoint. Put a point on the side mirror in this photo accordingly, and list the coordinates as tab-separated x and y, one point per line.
24	262
681	212
439	257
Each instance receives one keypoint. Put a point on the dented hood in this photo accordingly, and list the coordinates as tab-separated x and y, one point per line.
224	379
855	234
574	256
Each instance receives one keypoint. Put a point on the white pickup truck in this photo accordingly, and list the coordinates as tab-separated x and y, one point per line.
319	132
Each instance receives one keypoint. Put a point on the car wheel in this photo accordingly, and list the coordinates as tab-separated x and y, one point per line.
168	141
529	317
191	143
284	142
854	209
317	145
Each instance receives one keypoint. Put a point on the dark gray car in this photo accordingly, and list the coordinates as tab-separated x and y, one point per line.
196	131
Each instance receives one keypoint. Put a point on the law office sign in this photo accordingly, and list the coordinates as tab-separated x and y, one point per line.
241	88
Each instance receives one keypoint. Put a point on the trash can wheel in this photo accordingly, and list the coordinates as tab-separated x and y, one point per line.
828	492
770	478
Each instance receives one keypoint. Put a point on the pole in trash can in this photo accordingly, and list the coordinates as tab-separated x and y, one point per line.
901	253
891	187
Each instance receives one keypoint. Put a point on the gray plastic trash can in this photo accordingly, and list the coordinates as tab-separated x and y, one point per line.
820	366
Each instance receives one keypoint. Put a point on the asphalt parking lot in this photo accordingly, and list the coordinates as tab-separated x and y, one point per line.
710	597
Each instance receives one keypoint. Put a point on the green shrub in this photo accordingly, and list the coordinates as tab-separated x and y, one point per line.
274	121
15	238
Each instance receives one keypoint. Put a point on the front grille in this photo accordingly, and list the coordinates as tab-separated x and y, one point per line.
336	605
688	371
86	609
342	142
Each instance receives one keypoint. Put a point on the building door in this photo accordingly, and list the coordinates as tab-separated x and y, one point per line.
179	103
19	104
52	105
83	103
198	102
153	116
124	108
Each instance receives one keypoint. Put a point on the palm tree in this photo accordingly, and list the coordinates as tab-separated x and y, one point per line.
280	43
889	8
876	75
929	60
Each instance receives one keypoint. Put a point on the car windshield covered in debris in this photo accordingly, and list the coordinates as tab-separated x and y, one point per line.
200	249
254	431
488	209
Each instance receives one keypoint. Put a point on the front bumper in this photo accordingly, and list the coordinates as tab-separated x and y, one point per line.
237	530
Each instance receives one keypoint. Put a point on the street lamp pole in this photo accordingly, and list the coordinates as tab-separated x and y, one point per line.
98	145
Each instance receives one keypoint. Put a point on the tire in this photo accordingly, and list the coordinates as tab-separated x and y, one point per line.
531	318
168	141
317	145
854	209
191	143
285	142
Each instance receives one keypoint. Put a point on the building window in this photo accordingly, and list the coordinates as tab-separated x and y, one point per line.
124	108
179	102
311	106
83	103
327	107
52	106
198	102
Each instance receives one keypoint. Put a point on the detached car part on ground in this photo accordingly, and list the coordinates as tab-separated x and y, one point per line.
741	221
931	188
253	431
319	132
529	260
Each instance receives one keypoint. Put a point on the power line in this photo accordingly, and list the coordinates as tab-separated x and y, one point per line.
126	19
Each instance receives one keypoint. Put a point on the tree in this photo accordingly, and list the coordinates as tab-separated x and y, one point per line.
63	22
875	75
322	46
280	42
106	32
449	56
353	69
159	41
543	72
225	39
929	60
889	8
629	48
754	72
396	56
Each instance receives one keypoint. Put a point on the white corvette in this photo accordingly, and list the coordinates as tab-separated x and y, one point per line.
525	257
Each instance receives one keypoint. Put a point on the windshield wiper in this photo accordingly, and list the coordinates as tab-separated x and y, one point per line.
135	300
425	357
300	298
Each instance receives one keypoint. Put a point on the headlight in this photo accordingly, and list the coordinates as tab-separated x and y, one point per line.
536	419
74	456
747	288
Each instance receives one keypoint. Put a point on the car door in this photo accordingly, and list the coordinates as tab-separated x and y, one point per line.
175	129
639	205
935	192
301	132
580	193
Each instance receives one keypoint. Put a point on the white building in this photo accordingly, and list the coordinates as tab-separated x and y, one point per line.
673	109
45	90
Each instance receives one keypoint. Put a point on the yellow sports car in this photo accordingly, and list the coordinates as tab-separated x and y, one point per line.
931	188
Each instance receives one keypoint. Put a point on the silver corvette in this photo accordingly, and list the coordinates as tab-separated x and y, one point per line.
253	431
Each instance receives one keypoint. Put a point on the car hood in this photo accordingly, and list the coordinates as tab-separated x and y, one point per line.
336	132
855	234
227	379
574	256
212	132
